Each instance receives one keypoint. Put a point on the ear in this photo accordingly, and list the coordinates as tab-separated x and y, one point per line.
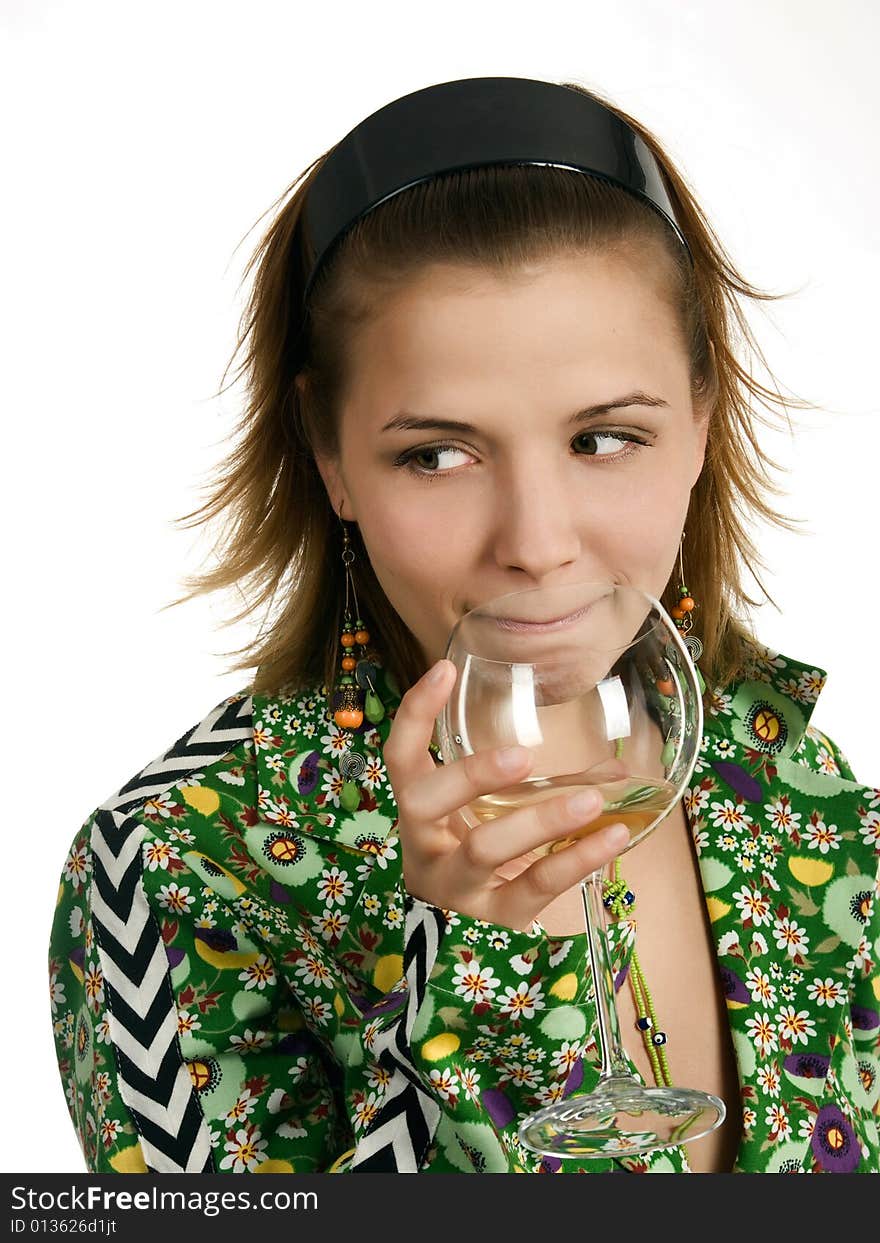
703	408
701	429
330	469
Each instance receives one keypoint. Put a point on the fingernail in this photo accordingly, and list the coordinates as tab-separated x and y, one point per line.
616	835
582	803
511	758
437	674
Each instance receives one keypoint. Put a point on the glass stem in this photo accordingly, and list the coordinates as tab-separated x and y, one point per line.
613	1059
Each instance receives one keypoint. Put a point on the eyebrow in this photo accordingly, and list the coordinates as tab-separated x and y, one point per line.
406	422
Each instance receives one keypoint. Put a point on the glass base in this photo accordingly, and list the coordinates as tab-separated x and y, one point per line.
622	1119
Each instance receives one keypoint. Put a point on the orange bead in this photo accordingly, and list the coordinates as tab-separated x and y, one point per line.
347	640
686	603
349	663
348	718
362	636
678	614
665	686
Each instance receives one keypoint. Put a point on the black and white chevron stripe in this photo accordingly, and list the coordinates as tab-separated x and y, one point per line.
227	725
399	1136
153	1079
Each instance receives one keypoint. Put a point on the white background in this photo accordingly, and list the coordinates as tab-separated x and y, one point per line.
143	142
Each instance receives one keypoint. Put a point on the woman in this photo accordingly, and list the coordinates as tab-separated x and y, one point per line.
489	348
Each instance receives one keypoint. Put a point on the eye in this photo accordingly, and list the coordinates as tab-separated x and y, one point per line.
431	457
603	437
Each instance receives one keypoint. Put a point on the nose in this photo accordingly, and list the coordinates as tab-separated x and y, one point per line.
535	526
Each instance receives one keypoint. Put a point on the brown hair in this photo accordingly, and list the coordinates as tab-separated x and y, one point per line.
281	536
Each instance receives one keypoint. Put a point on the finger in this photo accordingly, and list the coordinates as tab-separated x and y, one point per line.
405	753
489	846
521	900
444	790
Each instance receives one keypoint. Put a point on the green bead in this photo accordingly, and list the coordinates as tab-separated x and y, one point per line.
667	755
374	709
346	680
351	796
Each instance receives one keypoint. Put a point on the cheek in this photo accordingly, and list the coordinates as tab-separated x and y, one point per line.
644	538
411	551
650	510
659	507
420	570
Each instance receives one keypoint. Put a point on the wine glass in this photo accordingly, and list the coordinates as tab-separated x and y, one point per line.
596	680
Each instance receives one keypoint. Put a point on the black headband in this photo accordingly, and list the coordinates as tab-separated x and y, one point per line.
470	123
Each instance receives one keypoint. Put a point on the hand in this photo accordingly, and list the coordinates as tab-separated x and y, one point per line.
449	864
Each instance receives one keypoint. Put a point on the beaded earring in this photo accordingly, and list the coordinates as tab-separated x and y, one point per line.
682	614
355	685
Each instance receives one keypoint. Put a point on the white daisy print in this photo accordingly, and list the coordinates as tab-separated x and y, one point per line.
523	1001
762	1031
753	905
768	1079
826	992
777	1119
795	1026
445	1083
331	786
821	836
761	987
811	684
869	828
696	799
729	815
474	982
781	816
158	854
336	741
334	887
790	936
244	1151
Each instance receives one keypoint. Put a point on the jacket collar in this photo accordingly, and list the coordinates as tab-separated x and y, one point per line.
769	707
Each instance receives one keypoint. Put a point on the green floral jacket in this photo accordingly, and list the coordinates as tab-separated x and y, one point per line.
240	982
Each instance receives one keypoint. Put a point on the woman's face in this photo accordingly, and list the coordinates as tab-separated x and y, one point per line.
466	456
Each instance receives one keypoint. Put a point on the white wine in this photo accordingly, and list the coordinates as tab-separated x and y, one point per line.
632	800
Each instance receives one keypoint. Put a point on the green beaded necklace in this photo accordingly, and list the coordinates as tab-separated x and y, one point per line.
619	900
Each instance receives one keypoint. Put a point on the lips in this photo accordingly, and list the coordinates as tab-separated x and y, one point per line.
540	627
533	625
